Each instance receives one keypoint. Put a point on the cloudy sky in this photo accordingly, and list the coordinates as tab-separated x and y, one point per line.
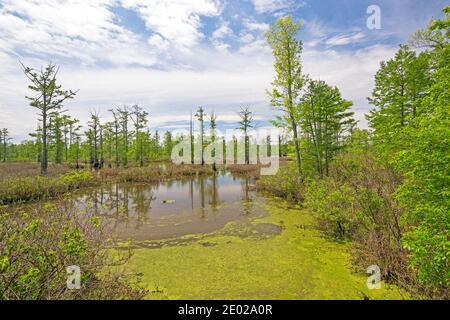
171	56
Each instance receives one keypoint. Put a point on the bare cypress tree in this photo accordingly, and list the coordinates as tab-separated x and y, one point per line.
95	132
48	100
201	118
213	133
246	123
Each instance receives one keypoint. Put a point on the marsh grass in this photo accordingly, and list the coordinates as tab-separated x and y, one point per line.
34	188
153	173
248	170
29	169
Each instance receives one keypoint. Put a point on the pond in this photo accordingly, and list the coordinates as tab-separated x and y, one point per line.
171	209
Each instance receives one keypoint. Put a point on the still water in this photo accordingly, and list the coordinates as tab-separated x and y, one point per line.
172	209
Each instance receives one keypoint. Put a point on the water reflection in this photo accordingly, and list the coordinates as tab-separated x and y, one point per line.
173	208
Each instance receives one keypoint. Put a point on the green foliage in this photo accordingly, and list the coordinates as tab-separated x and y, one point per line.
325	119
289	81
333	206
286	183
412	133
38	246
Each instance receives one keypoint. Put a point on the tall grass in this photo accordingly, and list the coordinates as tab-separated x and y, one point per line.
33	188
153	173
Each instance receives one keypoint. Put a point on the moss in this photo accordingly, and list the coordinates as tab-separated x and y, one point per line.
298	263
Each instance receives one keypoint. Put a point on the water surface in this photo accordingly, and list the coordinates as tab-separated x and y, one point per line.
173	208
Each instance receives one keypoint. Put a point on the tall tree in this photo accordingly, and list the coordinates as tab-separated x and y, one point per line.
139	118
124	115
38	143
213	134
325	118
201	118
288	83
56	125
48	100
191	138
244	125
400	83
116	125
168	143
94	136
4	138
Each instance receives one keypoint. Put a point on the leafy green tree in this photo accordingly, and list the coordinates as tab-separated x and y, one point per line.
116	126
168	143
139	118
425	161
288	83
56	125
94	138
4	138
399	85
325	118
37	135
48	100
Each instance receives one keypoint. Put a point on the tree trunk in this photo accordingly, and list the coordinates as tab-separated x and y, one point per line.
44	160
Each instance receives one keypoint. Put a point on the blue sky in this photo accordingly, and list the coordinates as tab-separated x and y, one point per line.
171	56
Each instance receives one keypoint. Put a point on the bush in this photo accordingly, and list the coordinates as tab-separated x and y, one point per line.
333	207
286	183
38	246
357	202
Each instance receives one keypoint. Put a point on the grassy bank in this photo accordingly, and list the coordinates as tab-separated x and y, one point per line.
251	262
34	188
21	182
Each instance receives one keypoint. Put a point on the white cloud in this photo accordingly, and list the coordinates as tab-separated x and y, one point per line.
157	41
246	38
222	32
316	28
176	20
86	33
352	72
256	26
80	30
345	39
263	6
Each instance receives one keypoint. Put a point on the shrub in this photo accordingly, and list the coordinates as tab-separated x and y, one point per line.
333	207
286	183
38	246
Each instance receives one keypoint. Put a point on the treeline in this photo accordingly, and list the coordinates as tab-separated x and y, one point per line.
385	189
126	139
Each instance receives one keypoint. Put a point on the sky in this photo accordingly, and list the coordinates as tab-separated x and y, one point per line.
171	56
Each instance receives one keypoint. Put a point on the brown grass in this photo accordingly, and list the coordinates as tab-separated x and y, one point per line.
29	169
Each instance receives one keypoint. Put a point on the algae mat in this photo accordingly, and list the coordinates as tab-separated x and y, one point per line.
280	256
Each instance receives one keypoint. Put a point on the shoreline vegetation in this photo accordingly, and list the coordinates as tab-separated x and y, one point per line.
371	197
